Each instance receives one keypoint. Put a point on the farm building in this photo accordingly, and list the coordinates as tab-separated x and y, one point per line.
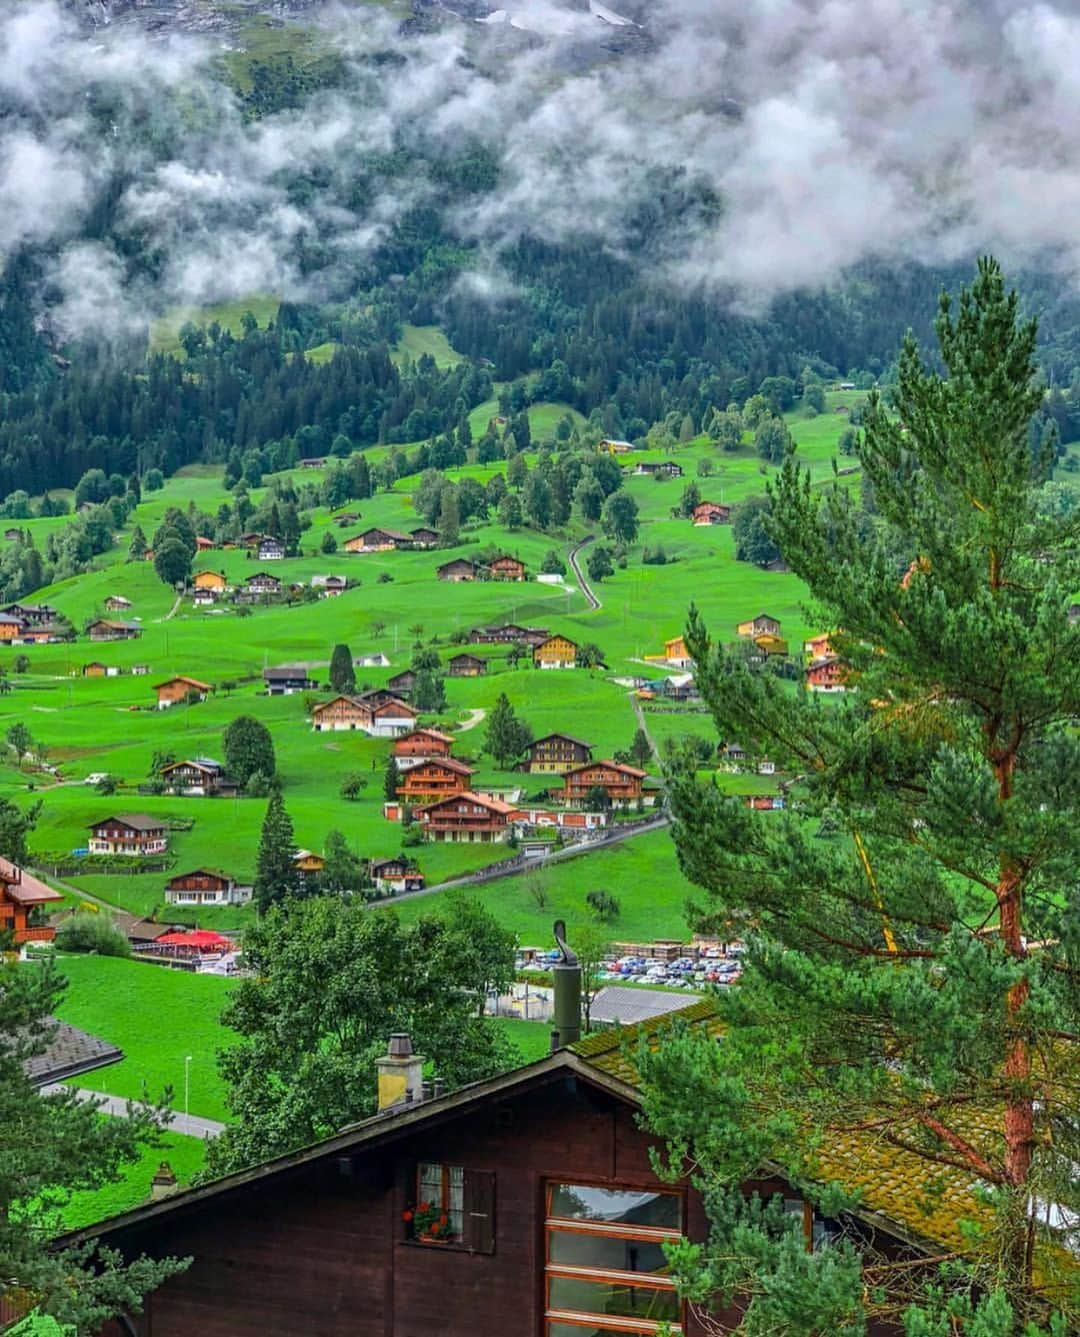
204	544
395	875
551	1213
288	678
710	513
130	834
202	598
24	898
762	625
557	652
402	684
434	778
375	659
466	666
200	777
506	568
308	863
610	446
206	886
620	782
681	687
116	603
329	587
423	537
96	669
555	753
458	570
180	688
108	629
466	818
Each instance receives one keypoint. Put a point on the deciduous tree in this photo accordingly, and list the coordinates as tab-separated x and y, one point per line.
248	748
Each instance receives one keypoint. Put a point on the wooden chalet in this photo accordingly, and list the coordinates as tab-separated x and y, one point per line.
382	715
762	625
827	674
131	834
24	898
377	540
557	652
817	647
179	689
395	875
32	615
466	818
343	712
509	634
11	627
262	582
313	462
423	537
116	603
681	687
96	669
556	753
200	777
458	570
329	587
270	550
202	598
621	783
204	544
421	745
771	645
285	679
308	863
206	886
612	446
433	779
210	580
710	513
402	684
466	666
676	654
109	629
658	469
506	568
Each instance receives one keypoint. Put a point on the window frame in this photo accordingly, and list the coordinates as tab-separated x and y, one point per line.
477	1192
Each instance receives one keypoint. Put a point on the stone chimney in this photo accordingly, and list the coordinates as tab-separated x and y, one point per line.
164	1182
400	1073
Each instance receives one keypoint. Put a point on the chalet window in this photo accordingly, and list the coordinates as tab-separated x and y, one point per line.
452	1207
604	1268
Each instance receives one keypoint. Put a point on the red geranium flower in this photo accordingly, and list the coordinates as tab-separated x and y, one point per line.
406	1216
442	1220
425	1207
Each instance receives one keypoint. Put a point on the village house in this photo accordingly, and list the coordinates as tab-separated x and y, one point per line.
506	568
817	647
556	753
619	781
271	550
205	886
32	615
710	513
107	629
762	625
13	534
308	864
466	666
610	446
210	580
420	745
681	687
423	537
554	1214
380	714
432	779
203	598
204	544
96	669
466	818
200	777
343	712
771	645
377	540
458	570
827	674
658	469
313	462
557	652
675	655
288	678
262	582
509	634
116	603
373	659
402	684
395	875
23	898
11	627
129	834
180	689
329	587
140	670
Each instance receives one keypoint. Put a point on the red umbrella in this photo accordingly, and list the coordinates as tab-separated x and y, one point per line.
200	939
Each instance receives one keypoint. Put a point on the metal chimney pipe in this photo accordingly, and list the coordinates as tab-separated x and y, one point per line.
567	976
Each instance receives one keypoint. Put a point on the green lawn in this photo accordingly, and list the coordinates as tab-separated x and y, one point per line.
165	333
185	1156
416	340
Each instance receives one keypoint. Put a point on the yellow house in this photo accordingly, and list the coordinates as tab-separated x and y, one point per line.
771	645
209	580
307	861
556	652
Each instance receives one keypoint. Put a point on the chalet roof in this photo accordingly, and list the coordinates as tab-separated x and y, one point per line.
569	737
557	636
23	887
199	872
394	534
137	821
446	764
494	805
70	1051
285	671
457	561
464	654
180	677
376	864
613	765
349	700
117	624
202	763
425	733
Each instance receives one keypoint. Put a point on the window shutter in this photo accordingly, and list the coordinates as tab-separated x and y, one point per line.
480	1211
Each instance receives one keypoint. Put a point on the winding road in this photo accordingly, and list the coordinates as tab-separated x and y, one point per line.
586	588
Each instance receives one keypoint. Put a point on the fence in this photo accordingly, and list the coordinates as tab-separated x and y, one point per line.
80	867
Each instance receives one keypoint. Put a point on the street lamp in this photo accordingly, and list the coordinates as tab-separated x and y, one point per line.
187	1094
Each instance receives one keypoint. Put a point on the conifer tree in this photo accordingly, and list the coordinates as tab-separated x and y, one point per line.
275	869
506	736
914	978
342	673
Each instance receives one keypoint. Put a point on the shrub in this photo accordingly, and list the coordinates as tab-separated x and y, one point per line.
384	578
92	933
603	904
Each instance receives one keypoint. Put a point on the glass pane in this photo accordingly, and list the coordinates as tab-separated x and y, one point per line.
430	1187
625	1206
606	1251
456	1204
612	1297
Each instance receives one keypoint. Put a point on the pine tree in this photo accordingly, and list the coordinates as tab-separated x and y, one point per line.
342	674
275	868
506	736
391	780
915	975
138	545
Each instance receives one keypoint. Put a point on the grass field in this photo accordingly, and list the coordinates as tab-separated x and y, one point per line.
185	1156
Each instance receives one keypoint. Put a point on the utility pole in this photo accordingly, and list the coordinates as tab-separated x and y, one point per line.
187	1094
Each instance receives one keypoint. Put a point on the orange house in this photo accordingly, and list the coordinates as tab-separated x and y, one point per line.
507	568
11	627
771	645
433	779
827	674
210	580
467	818
177	689
620	782
20	895
556	652
420	745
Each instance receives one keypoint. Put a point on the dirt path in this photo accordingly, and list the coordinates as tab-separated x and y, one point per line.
635	703
475	718
77	892
172	611
586	588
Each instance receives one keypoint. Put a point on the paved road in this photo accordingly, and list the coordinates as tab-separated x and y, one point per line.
192	1125
475	718
586	588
